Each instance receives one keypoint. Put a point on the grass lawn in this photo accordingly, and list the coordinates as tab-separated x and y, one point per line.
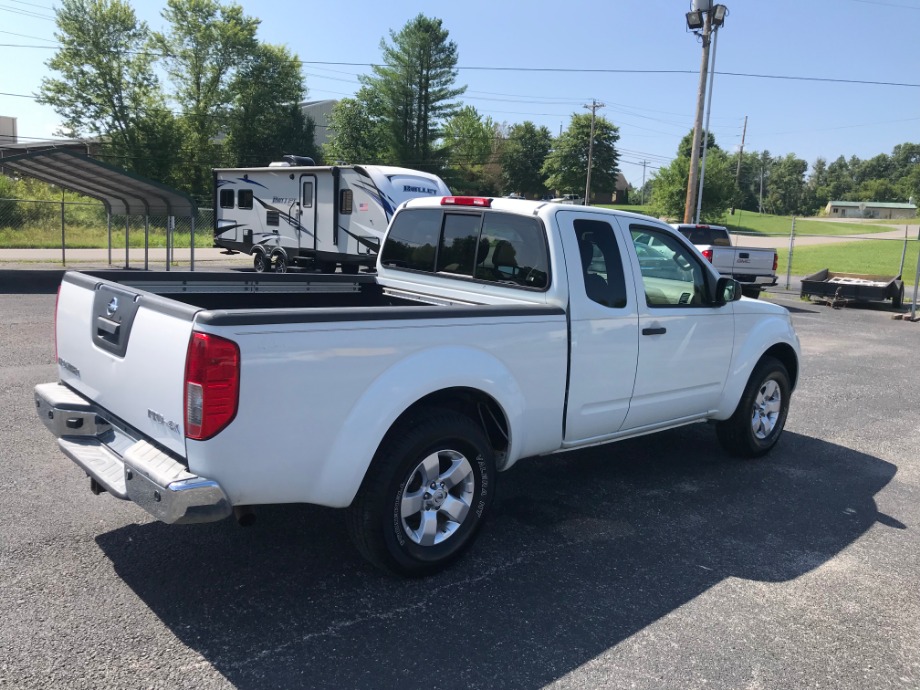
89	238
871	257
748	222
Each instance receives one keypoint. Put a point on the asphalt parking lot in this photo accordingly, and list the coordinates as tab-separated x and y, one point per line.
652	563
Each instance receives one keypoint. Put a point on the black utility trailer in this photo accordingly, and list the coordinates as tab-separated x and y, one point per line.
854	287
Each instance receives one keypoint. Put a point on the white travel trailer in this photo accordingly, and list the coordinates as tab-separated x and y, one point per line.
293	212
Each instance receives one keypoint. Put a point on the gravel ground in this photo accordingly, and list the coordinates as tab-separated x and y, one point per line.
651	563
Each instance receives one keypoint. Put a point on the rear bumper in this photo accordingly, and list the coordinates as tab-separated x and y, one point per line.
127	466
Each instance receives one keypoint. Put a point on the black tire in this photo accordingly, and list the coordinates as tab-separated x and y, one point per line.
897	300
738	434
378	522
327	266
752	292
351	269
279	263
261	263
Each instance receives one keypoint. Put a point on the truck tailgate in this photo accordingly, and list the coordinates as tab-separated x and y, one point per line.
125	351
750	260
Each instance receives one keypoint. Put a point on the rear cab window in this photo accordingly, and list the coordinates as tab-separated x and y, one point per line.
486	246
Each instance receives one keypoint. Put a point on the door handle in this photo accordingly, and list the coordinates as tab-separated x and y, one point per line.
661	330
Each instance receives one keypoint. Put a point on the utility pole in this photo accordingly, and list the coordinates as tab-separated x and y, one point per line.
738	170
593	108
693	178
760	207
642	189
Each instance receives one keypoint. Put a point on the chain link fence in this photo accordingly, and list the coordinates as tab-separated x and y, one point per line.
69	225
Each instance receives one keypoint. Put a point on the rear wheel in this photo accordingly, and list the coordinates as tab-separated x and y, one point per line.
425	494
280	263
260	262
758	421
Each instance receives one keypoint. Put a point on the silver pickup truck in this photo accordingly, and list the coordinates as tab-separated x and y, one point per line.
753	267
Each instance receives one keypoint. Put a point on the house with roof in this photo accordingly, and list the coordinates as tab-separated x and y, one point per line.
870	209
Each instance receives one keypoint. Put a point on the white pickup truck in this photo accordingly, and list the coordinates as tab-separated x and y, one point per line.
753	267
493	330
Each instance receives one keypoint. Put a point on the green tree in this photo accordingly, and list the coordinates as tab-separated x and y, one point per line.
523	157
840	181
468	141
107	87
415	90
204	46
686	144
669	189
787	187
357	131
265	120
566	167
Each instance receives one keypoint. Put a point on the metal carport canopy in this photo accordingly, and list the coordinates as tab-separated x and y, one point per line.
122	192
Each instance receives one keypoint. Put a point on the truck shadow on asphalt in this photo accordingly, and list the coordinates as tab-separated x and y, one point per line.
584	550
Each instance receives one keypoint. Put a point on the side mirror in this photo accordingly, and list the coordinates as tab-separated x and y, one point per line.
727	290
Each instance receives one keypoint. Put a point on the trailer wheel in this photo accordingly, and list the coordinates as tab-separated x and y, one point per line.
897	300
758	421
279	262
327	266
351	269
425	495
260	262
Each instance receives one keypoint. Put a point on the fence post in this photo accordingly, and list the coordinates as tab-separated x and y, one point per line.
108	224
127	231
903	253
193	241
789	258
146	243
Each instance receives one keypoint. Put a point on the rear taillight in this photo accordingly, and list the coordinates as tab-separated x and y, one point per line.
212	385
707	254
775	260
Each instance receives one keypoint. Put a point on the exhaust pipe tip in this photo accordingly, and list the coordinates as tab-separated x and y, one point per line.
245	516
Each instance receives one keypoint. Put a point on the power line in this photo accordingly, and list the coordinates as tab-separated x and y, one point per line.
569	70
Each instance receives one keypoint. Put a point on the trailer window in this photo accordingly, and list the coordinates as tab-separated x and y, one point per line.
272	218
307	195
245	198
345	201
226	198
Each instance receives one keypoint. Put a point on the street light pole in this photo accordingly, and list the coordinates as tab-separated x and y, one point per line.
698	123
712	78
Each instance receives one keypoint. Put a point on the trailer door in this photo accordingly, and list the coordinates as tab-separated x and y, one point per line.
306	237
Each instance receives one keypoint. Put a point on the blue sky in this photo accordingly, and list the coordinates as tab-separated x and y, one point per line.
862	40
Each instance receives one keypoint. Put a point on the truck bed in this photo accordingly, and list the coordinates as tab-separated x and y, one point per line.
234	290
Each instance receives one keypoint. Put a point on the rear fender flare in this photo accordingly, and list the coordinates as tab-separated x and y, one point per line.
395	391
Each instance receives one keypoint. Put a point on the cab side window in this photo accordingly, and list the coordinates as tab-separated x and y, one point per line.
671	274
601	263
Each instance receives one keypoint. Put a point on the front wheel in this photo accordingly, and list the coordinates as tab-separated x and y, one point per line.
758	421
425	494
261	263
